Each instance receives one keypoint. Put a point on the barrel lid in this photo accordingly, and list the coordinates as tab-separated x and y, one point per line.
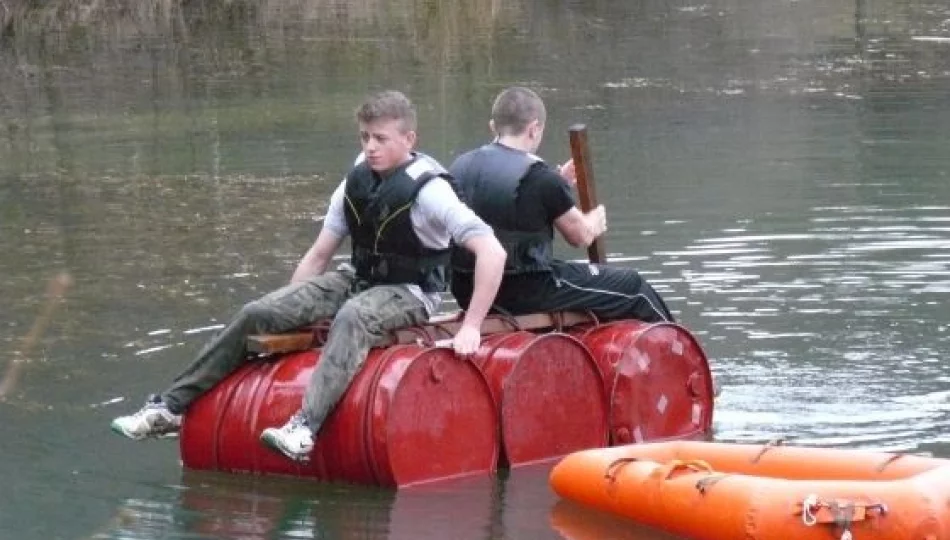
552	399
431	417
661	387
266	398
204	420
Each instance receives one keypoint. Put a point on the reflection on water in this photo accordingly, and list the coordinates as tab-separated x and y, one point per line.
579	523
206	505
852	294
778	170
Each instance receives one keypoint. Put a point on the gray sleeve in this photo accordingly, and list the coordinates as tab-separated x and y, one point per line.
443	211
335	220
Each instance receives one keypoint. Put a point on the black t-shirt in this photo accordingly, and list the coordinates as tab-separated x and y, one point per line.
543	196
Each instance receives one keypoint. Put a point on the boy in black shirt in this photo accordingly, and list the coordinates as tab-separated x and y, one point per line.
524	200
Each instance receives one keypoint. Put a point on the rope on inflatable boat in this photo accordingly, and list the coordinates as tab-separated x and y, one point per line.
774	443
692	465
890	460
703	484
666	471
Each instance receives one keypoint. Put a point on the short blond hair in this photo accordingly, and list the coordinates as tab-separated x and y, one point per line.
515	108
388	105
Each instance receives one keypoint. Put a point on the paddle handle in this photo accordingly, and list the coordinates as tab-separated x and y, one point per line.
586	191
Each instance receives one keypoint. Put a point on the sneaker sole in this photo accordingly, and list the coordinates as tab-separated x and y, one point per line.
273	443
119	430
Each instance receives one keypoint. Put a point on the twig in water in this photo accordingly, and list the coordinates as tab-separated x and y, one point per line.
54	291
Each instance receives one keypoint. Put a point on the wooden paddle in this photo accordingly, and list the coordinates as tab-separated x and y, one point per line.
586	190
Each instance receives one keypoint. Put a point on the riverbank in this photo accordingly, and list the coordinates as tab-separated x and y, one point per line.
20	18
119	18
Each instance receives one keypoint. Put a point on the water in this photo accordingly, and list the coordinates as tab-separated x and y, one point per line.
779	171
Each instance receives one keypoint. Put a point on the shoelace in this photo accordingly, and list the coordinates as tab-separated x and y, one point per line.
297	421
143	416
150	405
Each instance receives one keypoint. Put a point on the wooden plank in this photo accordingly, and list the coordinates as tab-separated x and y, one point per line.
586	190
438	331
280	343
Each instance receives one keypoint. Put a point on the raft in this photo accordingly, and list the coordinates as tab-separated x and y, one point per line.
716	491
540	387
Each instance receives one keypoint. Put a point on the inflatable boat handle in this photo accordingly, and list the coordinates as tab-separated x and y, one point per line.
610	472
667	470
693	465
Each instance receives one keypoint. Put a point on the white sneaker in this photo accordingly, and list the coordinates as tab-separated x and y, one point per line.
152	420
294	439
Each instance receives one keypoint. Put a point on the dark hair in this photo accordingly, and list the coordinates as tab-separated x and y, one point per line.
515	108
388	105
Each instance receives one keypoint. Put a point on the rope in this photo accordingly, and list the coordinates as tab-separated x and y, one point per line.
424	338
695	465
843	513
593	316
808	506
319	332
441	327
703	484
768	446
888	461
506	316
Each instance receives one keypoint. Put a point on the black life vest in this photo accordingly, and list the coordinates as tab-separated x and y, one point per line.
488	178
386	249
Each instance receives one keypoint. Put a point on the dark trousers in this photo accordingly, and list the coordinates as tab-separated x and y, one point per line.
609	292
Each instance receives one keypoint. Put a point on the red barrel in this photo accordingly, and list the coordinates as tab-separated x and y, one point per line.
411	415
657	380
549	393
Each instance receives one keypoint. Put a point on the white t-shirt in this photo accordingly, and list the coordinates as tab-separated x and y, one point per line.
438	217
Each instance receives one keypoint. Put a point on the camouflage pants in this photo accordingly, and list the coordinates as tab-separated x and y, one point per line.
362	318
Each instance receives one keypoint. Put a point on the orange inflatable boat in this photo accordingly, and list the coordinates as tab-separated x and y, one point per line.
716	491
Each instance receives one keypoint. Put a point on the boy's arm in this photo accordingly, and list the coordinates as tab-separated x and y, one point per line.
444	210
331	235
